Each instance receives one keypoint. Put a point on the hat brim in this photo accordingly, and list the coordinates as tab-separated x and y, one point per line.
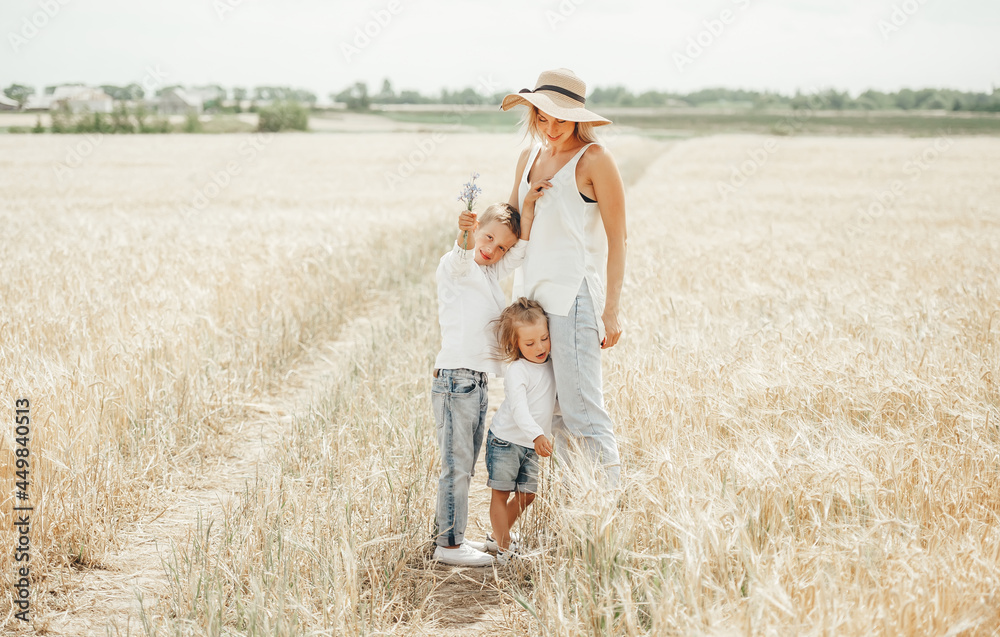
568	110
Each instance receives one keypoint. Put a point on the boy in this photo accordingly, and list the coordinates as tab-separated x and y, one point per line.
469	298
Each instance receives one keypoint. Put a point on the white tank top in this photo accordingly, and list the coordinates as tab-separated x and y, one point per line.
568	244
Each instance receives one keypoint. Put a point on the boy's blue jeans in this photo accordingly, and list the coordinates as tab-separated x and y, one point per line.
459	400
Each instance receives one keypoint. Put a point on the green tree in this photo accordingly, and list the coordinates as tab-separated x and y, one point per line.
937	102
836	100
115	92
874	100
19	93
239	94
922	97
386	95
134	92
412	97
163	90
355	97
610	96
302	95
906	99
283	116
266	93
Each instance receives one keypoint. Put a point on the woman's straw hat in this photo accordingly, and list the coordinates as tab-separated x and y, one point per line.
561	94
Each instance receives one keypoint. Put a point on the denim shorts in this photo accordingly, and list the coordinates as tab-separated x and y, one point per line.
511	466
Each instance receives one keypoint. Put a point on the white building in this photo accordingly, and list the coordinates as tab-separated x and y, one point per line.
177	101
88	100
77	97
207	93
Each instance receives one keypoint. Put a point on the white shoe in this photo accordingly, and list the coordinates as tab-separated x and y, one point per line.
479	546
464	555
491	545
506	557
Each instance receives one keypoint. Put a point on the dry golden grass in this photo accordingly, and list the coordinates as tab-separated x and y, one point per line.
809	414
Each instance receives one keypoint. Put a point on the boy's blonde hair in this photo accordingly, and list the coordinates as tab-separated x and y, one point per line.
502	213
584	131
521	312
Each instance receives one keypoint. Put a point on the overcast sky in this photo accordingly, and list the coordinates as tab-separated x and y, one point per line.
426	45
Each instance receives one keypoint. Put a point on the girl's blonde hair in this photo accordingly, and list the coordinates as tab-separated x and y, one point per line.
521	312
584	131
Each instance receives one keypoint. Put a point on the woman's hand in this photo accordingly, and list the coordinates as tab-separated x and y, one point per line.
612	328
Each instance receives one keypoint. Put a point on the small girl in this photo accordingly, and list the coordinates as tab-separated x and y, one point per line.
522	426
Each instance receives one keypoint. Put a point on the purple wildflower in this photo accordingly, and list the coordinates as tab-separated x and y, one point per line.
469	192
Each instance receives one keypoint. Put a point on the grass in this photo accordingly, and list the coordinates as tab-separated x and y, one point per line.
674	123
807	122
671	124
221	123
226	124
485	121
807	405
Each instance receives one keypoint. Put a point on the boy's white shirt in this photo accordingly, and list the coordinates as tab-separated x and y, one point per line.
469	298
528	405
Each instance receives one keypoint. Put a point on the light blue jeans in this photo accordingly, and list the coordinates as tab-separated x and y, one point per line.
576	362
459	400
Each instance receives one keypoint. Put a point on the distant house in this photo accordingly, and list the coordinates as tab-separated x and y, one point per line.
7	104
207	93
77	97
177	101
38	102
87	100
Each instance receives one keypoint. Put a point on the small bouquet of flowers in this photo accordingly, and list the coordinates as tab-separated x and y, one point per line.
468	196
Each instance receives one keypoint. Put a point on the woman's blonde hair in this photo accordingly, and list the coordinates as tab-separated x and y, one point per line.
521	312
584	131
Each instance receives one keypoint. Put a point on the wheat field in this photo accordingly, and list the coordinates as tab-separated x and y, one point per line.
229	386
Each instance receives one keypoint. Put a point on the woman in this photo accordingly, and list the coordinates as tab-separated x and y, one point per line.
575	261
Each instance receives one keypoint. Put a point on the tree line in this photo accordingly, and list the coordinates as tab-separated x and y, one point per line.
134	92
358	96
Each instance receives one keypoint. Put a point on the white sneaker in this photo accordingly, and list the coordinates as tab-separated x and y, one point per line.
464	555
506	557
491	545
479	546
